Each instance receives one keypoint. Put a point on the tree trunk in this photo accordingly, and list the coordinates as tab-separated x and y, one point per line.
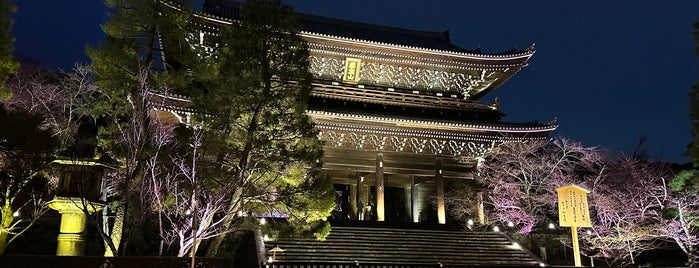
215	245
234	206
6	219
195	247
3	240
117	231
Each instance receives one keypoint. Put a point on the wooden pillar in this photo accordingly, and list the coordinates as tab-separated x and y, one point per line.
414	198
380	213
353	200
408	203
357	204
480	212
364	200
439	189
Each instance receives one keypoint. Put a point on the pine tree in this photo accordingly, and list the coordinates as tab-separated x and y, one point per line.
262	144
26	149
683	226
260	149
128	67
8	65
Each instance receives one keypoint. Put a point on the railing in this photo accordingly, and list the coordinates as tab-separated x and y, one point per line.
398	98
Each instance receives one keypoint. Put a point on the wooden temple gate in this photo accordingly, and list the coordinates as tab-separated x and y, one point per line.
398	110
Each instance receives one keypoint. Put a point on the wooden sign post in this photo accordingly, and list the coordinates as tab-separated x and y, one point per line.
573	212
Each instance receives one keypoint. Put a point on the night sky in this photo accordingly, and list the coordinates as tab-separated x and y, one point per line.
609	71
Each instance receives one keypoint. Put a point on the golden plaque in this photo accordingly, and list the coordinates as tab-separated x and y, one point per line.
352	70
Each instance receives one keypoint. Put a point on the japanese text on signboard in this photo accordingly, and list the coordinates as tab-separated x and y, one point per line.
572	206
352	70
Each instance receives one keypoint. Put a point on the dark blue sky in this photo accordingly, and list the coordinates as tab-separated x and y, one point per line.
609	71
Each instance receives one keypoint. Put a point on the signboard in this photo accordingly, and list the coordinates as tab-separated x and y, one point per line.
572	206
573	212
352	70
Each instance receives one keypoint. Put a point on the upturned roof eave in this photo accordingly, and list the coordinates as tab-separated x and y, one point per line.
444	125
464	55
525	54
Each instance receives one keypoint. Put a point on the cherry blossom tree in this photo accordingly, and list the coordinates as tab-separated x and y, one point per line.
632	208
684	223
681	219
40	121
187	211
521	178
60	98
626	210
682	227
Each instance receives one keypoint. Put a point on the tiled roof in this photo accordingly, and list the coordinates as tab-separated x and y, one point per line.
354	30
378	33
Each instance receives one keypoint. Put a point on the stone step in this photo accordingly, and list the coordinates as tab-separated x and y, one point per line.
411	244
414	250
402	256
406	244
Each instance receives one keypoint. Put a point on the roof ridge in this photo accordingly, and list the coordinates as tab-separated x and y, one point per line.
444	35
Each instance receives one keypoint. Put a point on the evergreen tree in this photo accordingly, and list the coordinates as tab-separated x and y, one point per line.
26	149
262	147
7	65
681	214
127	68
260	150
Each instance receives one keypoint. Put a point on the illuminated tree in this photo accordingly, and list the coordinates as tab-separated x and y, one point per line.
8	65
41	122
259	141
26	149
126	68
129	137
627	199
681	217
521	178
626	206
186	210
60	98
683	225
258	144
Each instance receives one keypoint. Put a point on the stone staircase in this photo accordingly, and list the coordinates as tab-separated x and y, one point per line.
405	246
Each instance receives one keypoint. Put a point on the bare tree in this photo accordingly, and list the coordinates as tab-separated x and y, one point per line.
627	200
186	211
626	205
682	228
681	219
61	98
521	178
461	204
41	121
126	139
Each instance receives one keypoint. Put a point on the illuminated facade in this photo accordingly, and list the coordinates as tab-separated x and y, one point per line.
398	111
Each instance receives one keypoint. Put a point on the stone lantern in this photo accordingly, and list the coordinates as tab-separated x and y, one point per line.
76	197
